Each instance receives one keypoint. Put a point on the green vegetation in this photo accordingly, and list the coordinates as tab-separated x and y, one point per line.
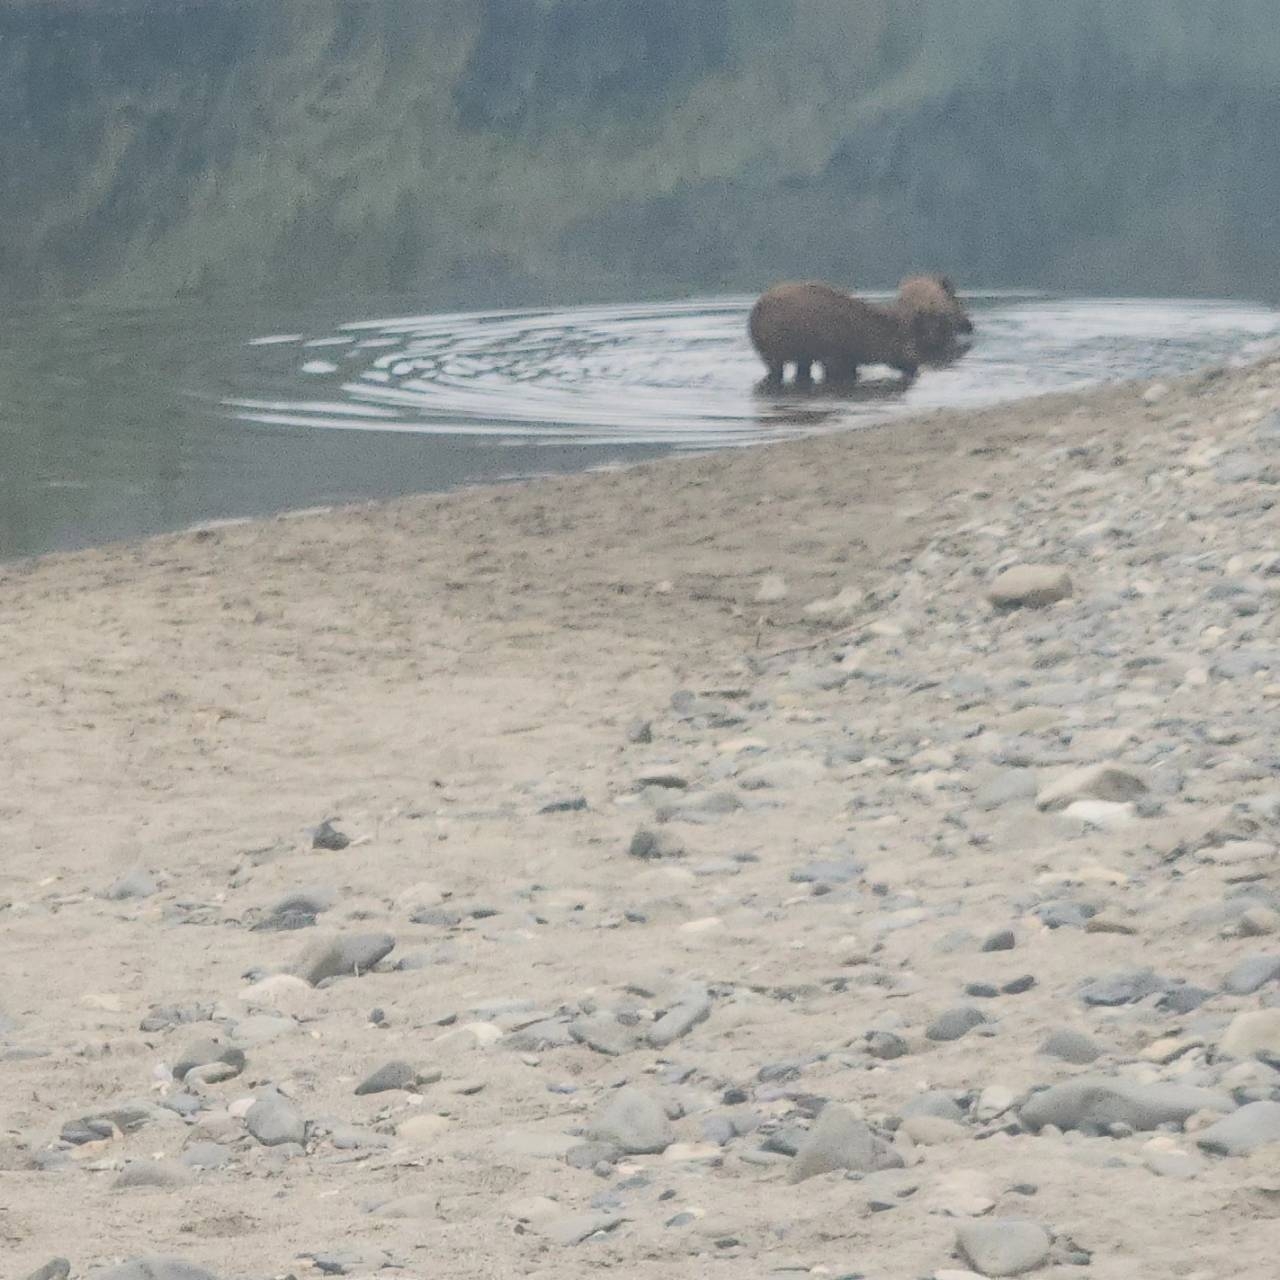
487	150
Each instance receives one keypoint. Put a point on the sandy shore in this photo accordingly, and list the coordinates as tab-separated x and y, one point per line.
834	816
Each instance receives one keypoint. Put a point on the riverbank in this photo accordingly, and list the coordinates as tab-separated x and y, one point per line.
806	860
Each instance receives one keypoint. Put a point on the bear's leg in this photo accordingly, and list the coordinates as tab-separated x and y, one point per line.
841	373
773	379
804	373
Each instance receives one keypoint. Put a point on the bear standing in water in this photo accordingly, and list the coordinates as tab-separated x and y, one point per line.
812	323
935	314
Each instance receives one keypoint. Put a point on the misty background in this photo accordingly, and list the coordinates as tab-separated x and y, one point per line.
472	152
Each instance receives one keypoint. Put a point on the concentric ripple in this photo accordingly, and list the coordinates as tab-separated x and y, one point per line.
682	375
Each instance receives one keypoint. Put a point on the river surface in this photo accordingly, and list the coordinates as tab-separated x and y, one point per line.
120	424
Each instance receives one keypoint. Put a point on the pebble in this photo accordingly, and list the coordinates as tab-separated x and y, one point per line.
1003	1246
274	1120
1030	586
1255	1125
1111	783
838	1140
1071	1046
955	1023
54	1269
635	1122
327	836
1252	1034
693	1007
1001	940
650	845
605	1034
342	955
155	1269
200	1053
933	1102
1122	988
1252	974
205	1155
1094	1103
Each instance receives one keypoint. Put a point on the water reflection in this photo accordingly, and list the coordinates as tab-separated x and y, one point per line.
126	423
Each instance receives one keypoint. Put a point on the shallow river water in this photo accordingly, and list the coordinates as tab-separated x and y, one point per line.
118	424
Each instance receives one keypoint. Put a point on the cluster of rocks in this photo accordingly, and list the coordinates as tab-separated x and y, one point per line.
949	945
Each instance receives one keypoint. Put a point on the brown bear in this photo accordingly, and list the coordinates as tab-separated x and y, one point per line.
935	314
812	323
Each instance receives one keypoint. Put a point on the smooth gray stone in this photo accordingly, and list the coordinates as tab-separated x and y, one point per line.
153	1173
138	883
634	1121
274	1121
154	1269
1253	1126
692	1008
604	1033
205	1155
1001	940
955	1023
200	1053
933	1103
838	1140
55	1269
1094	1103
1125	987
1251	974
1071	1046
719	1129
886	1045
391	1075
1003	1246
650	845
342	955
587	1155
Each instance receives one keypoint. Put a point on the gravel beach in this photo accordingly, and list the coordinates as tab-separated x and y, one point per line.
851	857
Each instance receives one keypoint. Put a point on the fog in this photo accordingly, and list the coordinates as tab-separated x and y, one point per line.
489	151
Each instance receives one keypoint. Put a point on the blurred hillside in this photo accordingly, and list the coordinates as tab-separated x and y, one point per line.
475	151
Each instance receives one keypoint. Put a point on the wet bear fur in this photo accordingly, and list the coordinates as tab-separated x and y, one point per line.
808	322
936	316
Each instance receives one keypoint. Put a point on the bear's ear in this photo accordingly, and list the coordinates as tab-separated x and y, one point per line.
945	282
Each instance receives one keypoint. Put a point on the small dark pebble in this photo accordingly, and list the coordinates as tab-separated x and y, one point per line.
570	804
981	990
1018	985
327	836
886	1045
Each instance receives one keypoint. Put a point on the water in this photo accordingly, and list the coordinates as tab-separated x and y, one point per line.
121	424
